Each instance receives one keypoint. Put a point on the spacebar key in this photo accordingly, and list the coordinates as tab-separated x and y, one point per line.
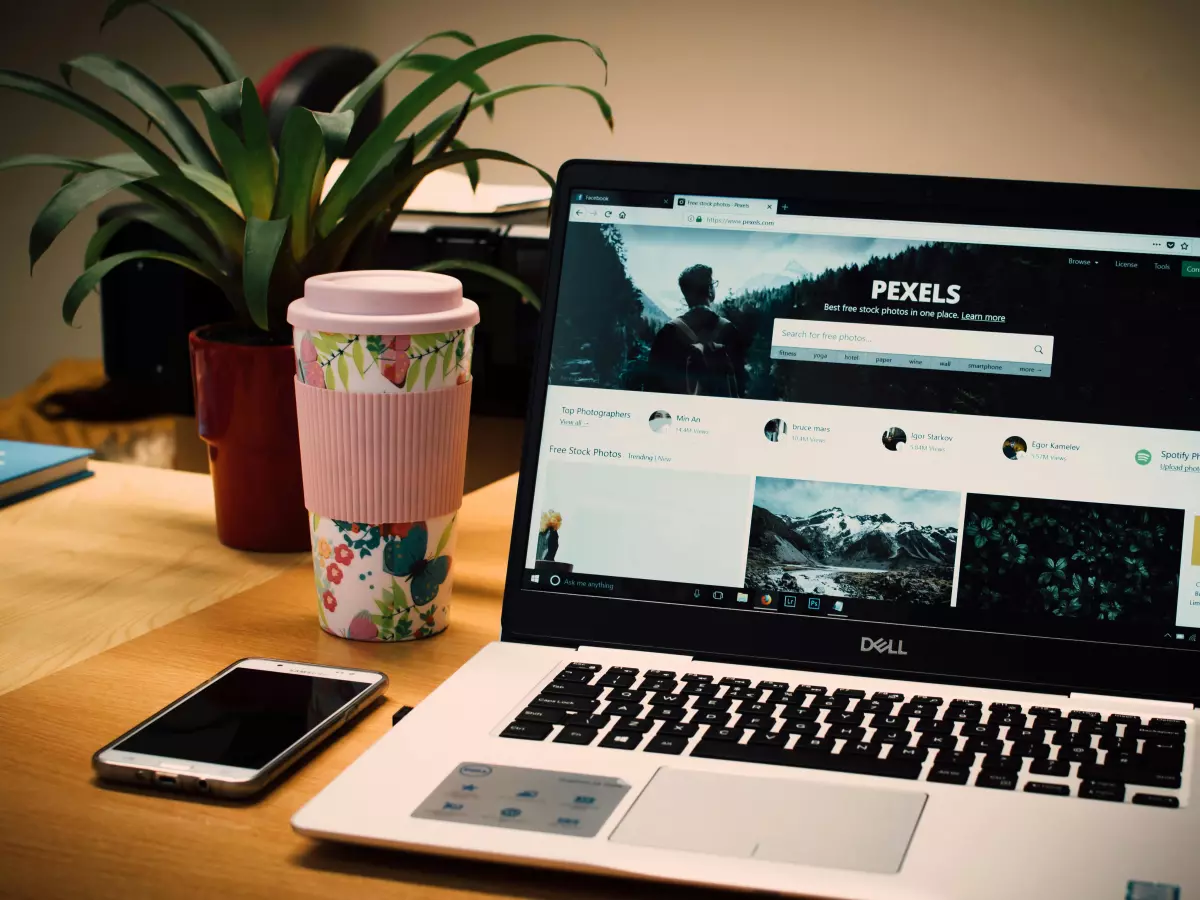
859	765
735	752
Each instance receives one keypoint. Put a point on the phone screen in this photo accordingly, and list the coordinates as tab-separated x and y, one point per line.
245	719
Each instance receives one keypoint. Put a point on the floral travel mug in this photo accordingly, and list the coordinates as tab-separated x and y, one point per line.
383	397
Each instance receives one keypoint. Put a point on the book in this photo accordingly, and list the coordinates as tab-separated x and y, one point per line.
449	193
30	469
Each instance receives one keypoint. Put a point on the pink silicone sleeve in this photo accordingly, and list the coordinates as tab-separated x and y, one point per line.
377	458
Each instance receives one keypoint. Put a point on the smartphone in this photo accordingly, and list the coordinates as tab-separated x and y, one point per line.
241	729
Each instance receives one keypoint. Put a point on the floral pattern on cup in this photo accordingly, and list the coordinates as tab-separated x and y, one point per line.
388	582
383	363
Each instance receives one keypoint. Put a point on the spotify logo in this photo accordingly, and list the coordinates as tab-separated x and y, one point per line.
1143	457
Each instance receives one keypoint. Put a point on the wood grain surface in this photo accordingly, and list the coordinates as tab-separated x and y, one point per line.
93	564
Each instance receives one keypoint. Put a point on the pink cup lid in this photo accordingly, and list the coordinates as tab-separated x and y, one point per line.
383	301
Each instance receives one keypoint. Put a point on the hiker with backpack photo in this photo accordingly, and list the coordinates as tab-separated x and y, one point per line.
698	352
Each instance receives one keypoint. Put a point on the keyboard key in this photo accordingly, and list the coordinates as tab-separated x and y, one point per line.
797	726
641	726
710	717
1030	750
1004	707
535	714
624	695
1130	775
830	702
1050	711
1120	744
665	685
998	762
692	677
911	754
660	673
574	675
667	743
668	700
717	703
1003	781
921	700
584	667
852	693
890	722
621	740
769	739
1096	726
851	733
772	686
892	736
1051	723
735	682
1168	724
891	697
1045	787
862	748
810	689
948	774
609	679
916	710
573	689
1057	767
740	692
723	734
967	704
933	726
1070	739
873	706
699	689
667	713
844	718
1121	719
1156	800
983	745
623	709
1102	790
955	759
808	759
1027	735
1008	719
584	719
573	734
1077	754
1083	715
757	723
961	714
800	713
750	708
527	731
972	730
1166	735
817	744
549	701
679	729
938	741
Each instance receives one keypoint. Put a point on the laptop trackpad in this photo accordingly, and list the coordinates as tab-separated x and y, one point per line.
776	819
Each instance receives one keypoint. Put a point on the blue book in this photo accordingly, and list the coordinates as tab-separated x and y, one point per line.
30	469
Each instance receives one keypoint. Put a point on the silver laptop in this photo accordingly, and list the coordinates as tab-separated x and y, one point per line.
856	550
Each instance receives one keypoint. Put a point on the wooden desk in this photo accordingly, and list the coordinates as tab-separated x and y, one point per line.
96	563
64	835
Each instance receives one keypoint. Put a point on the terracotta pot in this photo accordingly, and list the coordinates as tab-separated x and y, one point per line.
246	409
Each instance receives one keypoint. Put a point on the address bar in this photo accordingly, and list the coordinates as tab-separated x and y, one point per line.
949	343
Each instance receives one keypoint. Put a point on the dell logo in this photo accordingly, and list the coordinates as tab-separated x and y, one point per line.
883	645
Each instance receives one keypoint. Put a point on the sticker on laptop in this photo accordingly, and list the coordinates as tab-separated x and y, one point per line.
525	799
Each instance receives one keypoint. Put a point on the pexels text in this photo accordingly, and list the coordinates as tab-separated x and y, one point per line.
916	291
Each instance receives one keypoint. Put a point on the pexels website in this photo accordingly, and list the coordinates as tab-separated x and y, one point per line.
940	432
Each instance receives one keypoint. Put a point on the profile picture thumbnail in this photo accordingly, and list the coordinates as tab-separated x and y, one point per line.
1014	447
661	421
894	439
775	430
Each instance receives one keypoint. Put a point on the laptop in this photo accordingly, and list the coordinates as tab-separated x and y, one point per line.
856	550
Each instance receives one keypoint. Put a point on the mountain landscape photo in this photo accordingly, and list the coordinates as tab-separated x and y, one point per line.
850	540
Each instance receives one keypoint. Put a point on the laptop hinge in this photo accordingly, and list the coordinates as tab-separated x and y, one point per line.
1132	703
643	658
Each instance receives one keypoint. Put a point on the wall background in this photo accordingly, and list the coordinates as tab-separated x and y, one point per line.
1073	90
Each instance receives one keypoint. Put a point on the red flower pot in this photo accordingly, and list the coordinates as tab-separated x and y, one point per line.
246	409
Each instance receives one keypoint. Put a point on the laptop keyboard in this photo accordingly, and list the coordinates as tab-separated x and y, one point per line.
1041	750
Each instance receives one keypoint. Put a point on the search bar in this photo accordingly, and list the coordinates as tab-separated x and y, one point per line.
948	349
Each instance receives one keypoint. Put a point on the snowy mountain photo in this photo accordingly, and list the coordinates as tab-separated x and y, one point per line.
851	540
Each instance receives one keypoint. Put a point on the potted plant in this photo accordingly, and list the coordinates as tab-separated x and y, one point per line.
256	222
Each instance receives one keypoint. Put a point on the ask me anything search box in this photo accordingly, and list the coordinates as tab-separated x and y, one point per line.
949	349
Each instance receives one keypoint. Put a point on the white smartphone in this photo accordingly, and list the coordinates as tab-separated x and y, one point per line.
237	732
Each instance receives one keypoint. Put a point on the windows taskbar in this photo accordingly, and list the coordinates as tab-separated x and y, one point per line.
559	578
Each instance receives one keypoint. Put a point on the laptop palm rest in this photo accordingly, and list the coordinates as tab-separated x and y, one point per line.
776	819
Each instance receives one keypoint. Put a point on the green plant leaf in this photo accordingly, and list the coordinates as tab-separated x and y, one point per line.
157	105
528	295
357	98
330	384
435	127
471	167
67	202
335	128
356	353
301	151
238	129
430	366
214	184
363	165
433	62
74	164
410	380
343	371
182	92
445	538
263	239
88	281
212	49
165	222
447	354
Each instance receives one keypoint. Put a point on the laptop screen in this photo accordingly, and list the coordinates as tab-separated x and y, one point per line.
988	428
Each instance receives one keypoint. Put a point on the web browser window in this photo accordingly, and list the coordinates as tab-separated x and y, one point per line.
951	425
